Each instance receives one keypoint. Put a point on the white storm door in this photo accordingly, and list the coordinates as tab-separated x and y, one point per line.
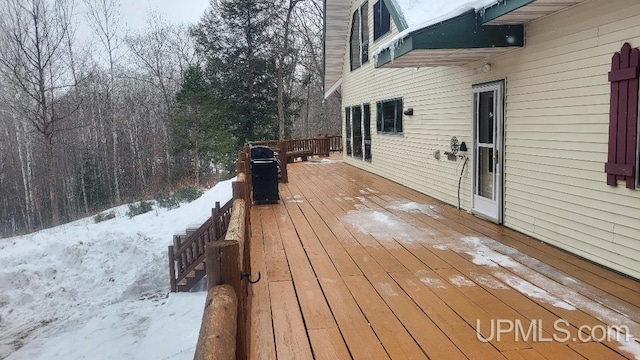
487	150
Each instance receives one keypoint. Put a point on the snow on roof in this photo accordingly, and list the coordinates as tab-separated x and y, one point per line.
419	14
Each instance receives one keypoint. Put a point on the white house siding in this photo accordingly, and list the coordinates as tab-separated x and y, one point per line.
556	131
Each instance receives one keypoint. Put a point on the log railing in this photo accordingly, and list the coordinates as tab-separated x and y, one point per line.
219	329
224	326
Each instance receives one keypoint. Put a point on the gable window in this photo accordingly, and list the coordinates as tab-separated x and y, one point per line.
381	20
359	37
389	117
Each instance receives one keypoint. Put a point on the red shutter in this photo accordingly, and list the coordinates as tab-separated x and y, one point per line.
623	117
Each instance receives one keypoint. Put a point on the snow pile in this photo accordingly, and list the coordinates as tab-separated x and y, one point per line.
419	14
99	291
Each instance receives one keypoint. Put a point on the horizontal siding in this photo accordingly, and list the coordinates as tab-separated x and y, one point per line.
556	131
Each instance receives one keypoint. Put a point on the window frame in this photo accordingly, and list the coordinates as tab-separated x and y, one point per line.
348	131
398	118
357	113
381	18
362	38
366	131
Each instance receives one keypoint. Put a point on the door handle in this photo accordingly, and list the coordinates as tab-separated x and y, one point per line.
497	156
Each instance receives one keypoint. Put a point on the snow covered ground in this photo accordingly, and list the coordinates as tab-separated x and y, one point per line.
101	291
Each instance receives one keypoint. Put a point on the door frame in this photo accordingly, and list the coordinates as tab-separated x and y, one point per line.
498	87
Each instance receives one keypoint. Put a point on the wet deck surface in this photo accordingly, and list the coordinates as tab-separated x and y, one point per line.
356	266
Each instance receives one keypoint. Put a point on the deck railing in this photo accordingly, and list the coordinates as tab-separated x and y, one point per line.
321	146
335	143
224	322
224	328
289	149
187	254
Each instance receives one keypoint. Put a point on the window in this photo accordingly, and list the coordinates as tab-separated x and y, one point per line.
356	117
366	126
359	37
358	131
347	126
389	116
354	41
364	34
381	20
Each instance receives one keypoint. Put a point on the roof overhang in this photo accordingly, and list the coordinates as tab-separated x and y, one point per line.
523	11
336	26
333	88
456	41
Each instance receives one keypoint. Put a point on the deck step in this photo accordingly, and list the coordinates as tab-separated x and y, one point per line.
191	279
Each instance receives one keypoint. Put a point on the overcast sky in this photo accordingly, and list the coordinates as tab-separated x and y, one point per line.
134	13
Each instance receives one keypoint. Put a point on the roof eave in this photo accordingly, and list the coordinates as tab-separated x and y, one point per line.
335	34
462	32
503	8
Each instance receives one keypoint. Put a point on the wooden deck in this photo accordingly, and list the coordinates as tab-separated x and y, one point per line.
356	266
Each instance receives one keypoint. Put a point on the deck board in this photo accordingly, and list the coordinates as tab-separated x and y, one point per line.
261	342
359	267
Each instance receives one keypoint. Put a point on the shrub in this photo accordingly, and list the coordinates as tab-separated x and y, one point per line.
104	216
139	208
167	202
187	194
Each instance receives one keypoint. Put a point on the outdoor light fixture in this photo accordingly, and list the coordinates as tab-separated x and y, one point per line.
409	111
483	69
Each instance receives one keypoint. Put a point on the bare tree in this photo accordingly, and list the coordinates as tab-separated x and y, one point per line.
160	55
103	16
33	62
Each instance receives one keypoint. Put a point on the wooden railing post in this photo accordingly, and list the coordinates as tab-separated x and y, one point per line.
172	270
326	145
215	222
282	158
241	164
223	259
238	190
247	172
177	244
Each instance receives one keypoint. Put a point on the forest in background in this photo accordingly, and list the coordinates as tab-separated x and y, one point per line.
86	125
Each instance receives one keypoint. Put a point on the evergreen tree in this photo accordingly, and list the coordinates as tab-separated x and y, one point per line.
198	129
234	37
